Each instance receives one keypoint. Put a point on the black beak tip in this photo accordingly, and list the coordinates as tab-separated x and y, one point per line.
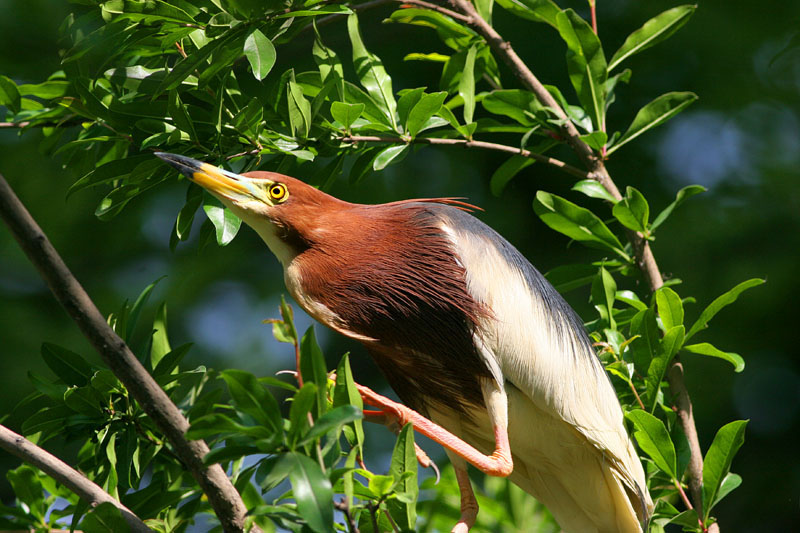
186	165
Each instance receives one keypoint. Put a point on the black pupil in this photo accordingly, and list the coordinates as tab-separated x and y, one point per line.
277	192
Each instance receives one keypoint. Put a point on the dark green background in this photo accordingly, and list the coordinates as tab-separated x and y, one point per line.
741	140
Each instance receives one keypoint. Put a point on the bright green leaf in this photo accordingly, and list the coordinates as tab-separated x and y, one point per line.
632	211
225	222
653	438
653	32
718	459
705	348
544	11
576	222
392	154
670	307
427	106
371	73
719	303
260	53
466	84
346	114
654	114
313	492
593	189
683	195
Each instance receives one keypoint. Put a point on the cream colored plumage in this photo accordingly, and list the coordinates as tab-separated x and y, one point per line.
568	443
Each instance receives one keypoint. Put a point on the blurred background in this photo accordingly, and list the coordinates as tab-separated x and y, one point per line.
741	140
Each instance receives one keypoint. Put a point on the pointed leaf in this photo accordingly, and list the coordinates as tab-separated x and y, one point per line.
653	32
536	10
593	189
370	71
506	172
330	421
683	195
719	303
392	154
466	84
654	114
346	393
313	367
632	211
705	348
653	438
718	459
586	64
71	367
576	222
427	106
253	398
404	460
313	492
9	94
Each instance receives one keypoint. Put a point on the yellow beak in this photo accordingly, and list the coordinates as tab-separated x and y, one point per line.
215	180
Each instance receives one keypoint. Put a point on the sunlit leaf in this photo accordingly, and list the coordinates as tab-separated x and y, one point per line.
718	459
653	31
653	438
719	303
654	114
705	348
313	492
225	222
260	53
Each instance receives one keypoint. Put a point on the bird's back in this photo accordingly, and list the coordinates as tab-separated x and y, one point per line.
567	437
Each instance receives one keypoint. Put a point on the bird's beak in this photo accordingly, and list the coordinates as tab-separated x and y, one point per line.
217	181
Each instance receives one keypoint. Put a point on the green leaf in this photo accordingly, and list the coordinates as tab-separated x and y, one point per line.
28	489
253	398
346	393
392	154
654	114
313	492
544	11
260	53
586	64
653	31
576	222
568	277
705	348
299	110
593	189
346	114
170	361
328	64
105	518
180	116
718	459
653	438
596	140
517	104
719	303
667	348
670	307
506	172
466	84
404	462
183	224
225	222
632	211
683	195
9	95
329	421
302	405
313	367
71	367
160	345
729	483
604	289
371	73
427	106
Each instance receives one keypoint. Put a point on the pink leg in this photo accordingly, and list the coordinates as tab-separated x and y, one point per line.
469	505
499	463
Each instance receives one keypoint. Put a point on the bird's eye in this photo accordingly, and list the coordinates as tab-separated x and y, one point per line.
278	192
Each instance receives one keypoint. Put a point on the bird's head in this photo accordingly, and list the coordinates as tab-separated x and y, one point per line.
287	213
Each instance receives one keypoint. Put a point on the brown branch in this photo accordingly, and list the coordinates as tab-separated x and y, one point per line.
57	469
645	260
222	495
342	506
470	144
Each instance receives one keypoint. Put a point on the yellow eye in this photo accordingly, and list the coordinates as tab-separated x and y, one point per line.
278	192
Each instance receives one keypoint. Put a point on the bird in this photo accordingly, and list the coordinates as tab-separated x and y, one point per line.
485	355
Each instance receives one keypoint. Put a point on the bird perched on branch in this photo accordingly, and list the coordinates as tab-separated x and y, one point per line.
488	358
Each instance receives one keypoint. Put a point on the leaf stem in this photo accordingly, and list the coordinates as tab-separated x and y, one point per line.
569	169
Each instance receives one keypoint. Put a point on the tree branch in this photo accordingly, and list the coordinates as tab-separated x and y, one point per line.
222	495
645	260
470	144
57	469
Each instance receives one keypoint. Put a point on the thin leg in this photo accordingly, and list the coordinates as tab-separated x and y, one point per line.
499	463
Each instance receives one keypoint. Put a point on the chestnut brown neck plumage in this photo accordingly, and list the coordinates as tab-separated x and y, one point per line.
403	287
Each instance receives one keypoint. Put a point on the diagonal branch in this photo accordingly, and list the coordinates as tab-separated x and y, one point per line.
57	469
470	144
221	493
645	260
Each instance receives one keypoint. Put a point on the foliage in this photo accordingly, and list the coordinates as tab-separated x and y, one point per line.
200	78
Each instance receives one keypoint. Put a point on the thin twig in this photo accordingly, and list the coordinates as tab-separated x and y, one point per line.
342	506
221	493
57	469
644	258
470	144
